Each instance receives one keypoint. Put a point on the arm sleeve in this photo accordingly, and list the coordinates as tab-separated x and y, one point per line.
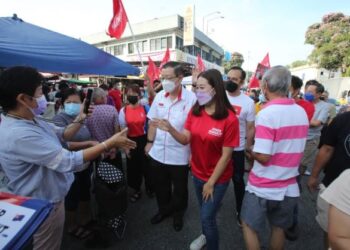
264	135
231	132
122	121
251	113
152	113
44	151
323	115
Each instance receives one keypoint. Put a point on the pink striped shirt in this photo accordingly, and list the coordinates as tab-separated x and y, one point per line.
281	131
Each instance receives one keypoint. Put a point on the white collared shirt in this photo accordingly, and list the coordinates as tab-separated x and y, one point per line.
165	148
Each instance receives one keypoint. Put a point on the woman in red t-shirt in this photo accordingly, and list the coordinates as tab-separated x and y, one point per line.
212	130
133	116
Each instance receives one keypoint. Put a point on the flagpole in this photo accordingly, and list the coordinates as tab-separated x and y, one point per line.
134	39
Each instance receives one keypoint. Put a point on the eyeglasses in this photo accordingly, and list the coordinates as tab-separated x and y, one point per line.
234	79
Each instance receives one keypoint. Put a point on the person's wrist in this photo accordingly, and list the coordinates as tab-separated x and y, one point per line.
150	141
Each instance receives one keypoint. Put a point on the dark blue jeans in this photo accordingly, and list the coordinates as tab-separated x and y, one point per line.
208	211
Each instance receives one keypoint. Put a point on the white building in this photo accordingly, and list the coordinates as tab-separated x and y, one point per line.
154	37
312	72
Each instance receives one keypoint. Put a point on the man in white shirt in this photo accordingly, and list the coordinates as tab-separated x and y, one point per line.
169	159
245	110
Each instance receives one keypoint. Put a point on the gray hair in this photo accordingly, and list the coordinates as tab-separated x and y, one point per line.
98	93
278	79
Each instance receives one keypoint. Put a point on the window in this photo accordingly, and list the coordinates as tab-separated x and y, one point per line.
179	43
161	43
142	46
131	48
110	50
119	49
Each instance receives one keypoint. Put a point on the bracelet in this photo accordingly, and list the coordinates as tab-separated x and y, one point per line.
105	146
149	141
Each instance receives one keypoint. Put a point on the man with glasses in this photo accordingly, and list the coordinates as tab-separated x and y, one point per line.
169	159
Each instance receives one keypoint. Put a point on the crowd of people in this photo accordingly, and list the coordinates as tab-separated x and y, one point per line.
215	133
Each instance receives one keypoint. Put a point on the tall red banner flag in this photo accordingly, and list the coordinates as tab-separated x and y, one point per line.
166	58
152	71
117	25
200	64
262	67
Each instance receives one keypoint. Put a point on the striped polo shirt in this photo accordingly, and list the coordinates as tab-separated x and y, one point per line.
281	131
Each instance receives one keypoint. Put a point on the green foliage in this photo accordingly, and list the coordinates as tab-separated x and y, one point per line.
236	60
297	63
331	40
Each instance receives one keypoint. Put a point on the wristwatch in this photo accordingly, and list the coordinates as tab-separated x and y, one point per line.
149	141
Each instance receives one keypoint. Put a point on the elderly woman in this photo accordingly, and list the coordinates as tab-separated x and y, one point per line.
33	158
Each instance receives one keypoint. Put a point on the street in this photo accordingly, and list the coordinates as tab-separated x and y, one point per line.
141	234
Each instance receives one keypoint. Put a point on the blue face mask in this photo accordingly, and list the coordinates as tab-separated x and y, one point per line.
72	109
309	97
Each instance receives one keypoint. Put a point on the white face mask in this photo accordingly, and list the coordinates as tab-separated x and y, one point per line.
168	85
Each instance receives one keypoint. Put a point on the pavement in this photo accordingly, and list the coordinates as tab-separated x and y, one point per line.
142	235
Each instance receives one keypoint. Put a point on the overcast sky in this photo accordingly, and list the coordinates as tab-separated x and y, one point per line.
251	27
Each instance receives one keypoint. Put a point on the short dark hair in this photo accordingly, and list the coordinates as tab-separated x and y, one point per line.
69	92
243	73
62	85
134	88
17	80
222	104
297	83
319	86
178	68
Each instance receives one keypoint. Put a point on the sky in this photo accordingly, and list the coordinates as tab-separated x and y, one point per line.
251	27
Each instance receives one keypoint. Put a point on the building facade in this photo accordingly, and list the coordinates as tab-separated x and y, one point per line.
312	72
153	37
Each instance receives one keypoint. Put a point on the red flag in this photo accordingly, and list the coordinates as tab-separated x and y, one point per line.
117	25
166	58
259	72
152	71
200	65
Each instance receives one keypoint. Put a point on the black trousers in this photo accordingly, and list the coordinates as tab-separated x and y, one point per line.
237	179
170	185
138	165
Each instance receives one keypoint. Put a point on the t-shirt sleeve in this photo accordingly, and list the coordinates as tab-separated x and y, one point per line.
152	113
231	132
331	136
323	115
122	121
251	112
264	135
188	122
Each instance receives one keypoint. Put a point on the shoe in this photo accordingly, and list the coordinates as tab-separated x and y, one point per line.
178	224
198	243
239	221
158	218
292	233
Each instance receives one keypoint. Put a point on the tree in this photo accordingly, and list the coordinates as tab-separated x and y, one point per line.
236	60
297	63
331	40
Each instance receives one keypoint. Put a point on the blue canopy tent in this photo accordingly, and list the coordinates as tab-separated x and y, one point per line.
22	43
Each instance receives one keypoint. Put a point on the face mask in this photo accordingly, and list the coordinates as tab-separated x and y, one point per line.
168	86
322	98
42	105
203	97
132	99
231	86
262	98
309	97
72	109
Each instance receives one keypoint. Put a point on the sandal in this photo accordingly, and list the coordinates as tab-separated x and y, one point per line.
135	197
81	232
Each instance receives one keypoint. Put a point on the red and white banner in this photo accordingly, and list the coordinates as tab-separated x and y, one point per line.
117	25
262	67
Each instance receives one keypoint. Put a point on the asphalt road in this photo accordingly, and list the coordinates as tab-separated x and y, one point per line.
140	234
